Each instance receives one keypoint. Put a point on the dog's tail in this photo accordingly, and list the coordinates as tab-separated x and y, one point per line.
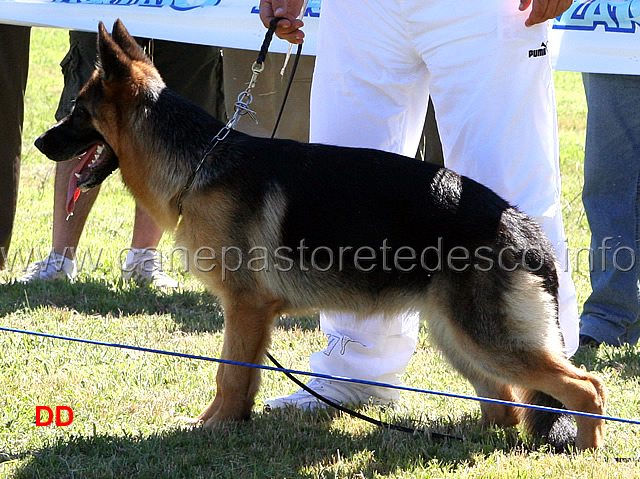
556	429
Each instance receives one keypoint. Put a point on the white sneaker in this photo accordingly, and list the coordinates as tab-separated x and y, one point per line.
143	266
53	267
343	393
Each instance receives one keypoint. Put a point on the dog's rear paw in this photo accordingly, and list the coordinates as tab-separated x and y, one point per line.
189	421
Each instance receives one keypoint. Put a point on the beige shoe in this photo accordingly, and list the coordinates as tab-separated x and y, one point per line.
340	392
53	267
144	267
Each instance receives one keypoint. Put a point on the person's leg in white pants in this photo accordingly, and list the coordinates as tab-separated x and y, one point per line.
496	116
495	103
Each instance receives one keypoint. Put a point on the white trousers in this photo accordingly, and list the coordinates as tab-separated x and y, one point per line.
491	82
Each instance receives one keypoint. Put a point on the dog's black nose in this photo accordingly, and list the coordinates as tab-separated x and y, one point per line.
39	142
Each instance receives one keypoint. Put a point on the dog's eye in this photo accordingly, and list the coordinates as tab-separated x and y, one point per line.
80	109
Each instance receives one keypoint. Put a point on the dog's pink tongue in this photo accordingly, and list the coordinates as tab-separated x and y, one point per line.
73	193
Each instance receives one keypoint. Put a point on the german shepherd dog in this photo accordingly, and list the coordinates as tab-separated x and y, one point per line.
289	227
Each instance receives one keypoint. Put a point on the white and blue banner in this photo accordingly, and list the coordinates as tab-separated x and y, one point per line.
224	23
593	35
600	36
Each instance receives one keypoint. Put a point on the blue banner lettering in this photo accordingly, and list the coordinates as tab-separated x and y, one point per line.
180	5
621	16
313	9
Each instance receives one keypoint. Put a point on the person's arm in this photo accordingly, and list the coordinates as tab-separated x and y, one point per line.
289	27
544	10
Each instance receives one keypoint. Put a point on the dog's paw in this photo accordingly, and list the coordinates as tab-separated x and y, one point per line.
189	421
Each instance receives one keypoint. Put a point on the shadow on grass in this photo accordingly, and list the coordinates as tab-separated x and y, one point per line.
283	444
625	359
191	310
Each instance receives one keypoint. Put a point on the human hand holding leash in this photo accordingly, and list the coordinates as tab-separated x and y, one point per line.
544	10
289	27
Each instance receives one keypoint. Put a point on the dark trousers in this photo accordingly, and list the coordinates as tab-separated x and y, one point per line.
14	67
192	71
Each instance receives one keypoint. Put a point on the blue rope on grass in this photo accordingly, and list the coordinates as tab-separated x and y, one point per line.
319	375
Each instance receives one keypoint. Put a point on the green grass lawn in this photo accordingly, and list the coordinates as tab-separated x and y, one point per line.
127	404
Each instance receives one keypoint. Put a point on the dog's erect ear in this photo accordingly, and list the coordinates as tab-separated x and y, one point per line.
114	62
128	43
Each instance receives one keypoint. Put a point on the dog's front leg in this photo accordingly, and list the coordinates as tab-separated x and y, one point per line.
246	337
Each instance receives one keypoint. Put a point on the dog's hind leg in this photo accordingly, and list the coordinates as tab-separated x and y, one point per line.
547	379
578	390
248	323
531	356
494	414
454	343
503	330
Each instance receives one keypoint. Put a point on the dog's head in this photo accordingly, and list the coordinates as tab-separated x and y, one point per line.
89	133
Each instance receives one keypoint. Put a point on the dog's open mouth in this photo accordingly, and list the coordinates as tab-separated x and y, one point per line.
94	165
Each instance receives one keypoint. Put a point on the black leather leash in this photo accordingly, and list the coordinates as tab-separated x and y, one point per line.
241	108
288	89
351	412
262	55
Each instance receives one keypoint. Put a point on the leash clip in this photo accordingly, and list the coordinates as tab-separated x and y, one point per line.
257	67
241	107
